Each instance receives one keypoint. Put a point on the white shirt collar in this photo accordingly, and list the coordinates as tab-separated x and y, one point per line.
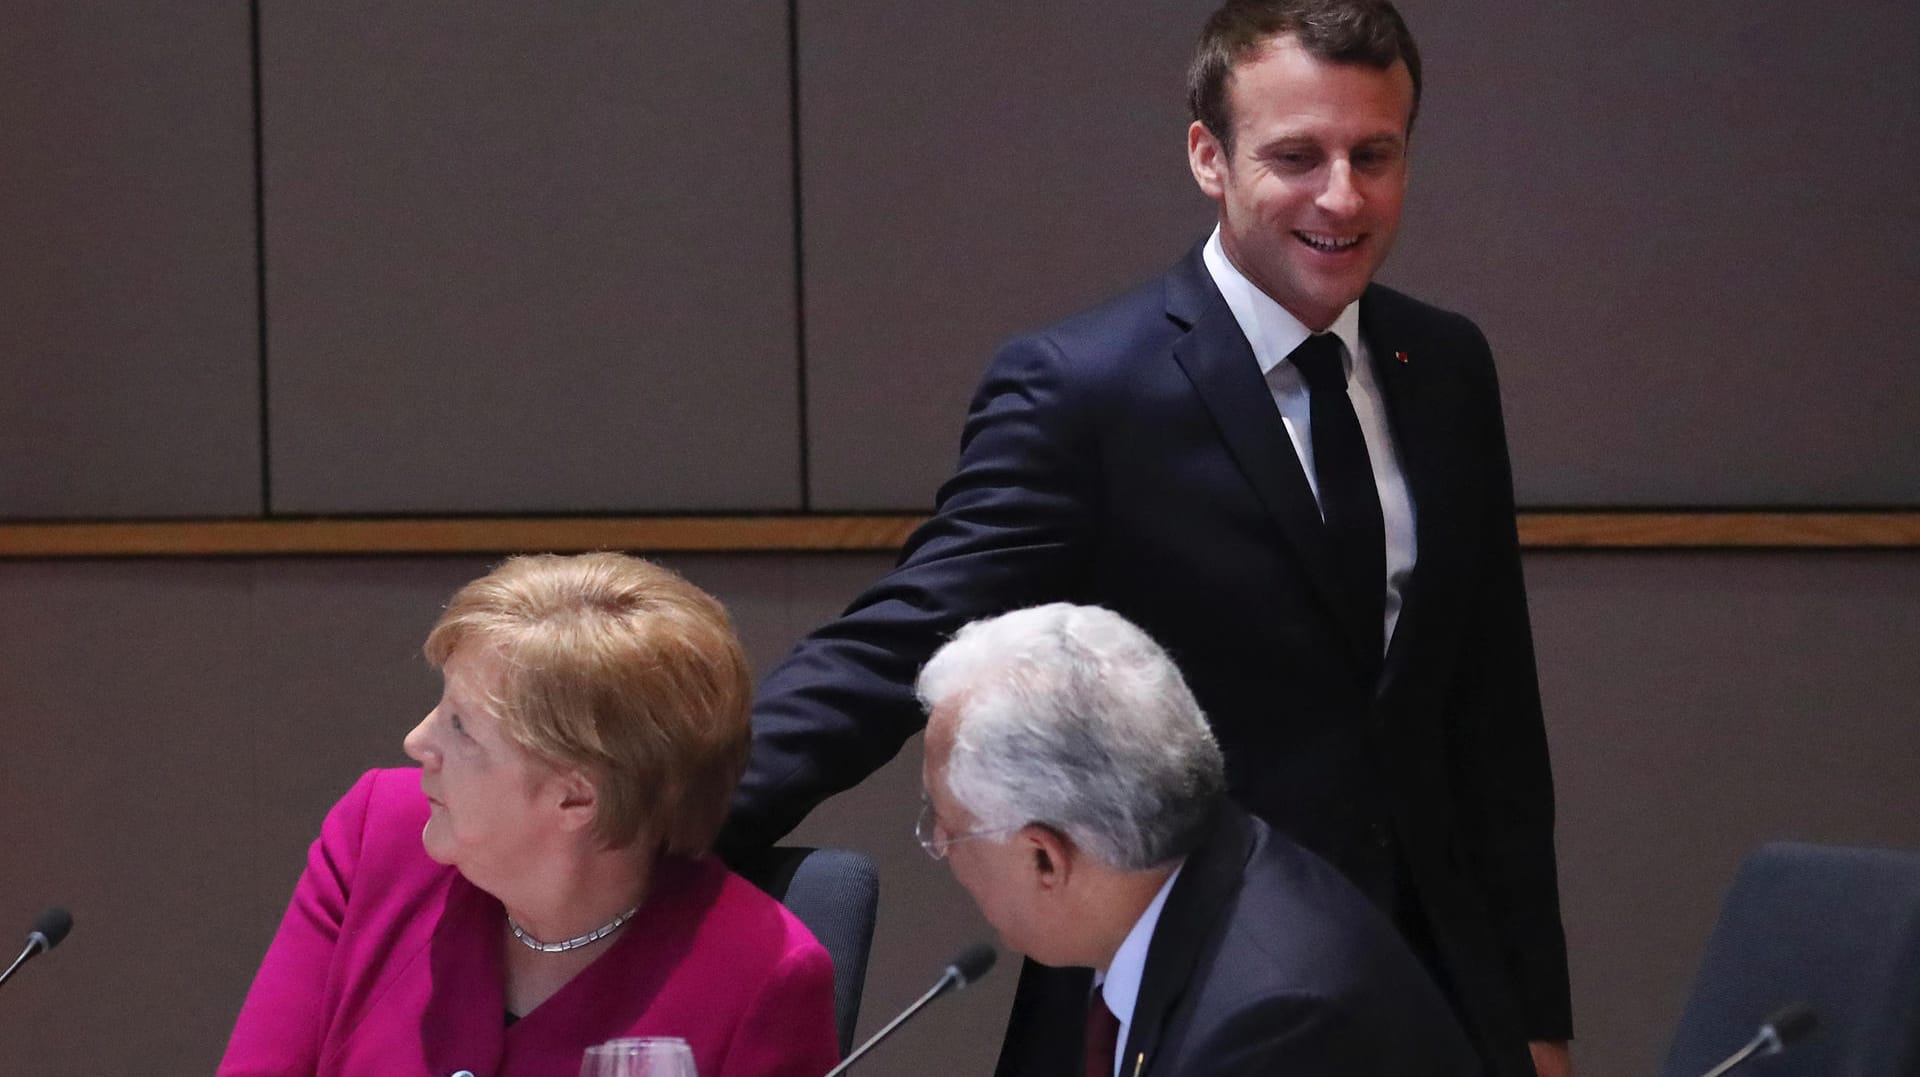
1120	981
1270	328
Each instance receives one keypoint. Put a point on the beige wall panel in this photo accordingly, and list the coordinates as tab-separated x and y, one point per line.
127	795
529	257
128	333
968	171
1690	233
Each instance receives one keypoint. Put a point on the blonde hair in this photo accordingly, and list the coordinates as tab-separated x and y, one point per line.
625	669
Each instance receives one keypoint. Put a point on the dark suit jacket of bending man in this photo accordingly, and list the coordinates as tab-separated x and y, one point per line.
1132	457
1264	961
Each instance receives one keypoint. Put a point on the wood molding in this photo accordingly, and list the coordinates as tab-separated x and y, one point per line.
1539	530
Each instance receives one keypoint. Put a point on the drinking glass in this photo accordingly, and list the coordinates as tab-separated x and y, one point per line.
649	1056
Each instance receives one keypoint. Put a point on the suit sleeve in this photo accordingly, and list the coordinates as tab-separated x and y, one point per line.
1502	777
1007	532
282	1021
788	1028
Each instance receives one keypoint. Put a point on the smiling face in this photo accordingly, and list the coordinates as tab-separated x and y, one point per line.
495	807
1310	193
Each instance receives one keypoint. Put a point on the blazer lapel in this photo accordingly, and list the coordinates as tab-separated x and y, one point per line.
1210	877
1220	364
464	1023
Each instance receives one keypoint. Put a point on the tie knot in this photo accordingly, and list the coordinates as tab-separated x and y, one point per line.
1318	359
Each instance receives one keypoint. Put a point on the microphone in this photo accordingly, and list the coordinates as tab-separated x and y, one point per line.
967	968
47	932
1788	1025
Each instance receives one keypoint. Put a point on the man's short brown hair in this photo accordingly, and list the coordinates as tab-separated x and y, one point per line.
623	668
1368	32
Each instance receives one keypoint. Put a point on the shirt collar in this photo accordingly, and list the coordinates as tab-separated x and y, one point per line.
1270	328
1120	981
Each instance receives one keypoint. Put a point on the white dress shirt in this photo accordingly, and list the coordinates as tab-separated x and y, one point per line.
1274	333
1120	980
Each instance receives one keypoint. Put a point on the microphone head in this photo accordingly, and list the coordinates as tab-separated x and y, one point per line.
52	926
1792	1022
972	963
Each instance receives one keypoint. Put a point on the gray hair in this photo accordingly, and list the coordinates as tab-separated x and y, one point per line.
1071	717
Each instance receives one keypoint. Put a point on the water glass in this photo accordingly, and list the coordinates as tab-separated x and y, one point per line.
649	1056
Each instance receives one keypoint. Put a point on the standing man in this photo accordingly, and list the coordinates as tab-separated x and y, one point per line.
1297	481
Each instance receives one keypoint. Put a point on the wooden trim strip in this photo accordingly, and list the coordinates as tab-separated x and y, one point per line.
1539	530
1719	530
478	535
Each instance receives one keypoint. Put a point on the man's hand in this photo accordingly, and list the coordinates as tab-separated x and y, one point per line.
1551	1058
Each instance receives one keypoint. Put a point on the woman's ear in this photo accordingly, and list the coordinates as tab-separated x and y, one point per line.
579	799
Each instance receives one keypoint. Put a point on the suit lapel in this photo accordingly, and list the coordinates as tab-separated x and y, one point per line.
1220	365
1191	915
1409	375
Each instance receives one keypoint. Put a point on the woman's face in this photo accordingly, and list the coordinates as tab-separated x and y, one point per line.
495	807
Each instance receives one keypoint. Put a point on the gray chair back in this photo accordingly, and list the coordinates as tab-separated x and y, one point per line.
836	893
1835	928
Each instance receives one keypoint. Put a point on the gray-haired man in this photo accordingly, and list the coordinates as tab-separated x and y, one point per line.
1075	789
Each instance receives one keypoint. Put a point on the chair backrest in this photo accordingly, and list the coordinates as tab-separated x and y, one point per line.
1835	928
836	893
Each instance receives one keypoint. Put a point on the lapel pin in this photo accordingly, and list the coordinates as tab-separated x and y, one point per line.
1402	356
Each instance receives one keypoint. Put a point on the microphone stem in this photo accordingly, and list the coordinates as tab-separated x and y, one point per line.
943	984
1738	1057
34	946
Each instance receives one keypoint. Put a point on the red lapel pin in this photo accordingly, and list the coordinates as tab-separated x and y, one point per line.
1402	356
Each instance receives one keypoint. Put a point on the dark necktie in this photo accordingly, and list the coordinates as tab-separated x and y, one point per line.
1103	1036
1349	500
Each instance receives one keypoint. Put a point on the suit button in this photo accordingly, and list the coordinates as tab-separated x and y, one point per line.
1378	834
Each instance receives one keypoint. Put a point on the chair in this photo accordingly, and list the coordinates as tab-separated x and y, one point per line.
1836	928
836	893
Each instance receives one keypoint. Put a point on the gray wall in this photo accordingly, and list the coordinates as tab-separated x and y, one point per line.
751	257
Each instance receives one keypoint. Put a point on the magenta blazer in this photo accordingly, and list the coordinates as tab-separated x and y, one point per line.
388	963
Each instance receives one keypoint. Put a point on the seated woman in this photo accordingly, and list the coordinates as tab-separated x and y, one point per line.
540	884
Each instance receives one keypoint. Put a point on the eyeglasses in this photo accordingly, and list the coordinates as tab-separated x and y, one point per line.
926	831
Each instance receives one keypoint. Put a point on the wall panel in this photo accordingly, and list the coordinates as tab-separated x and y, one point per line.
969	171
128	331
1692	234
529	258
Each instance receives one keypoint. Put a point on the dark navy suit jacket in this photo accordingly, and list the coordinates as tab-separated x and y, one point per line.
1132	457
1265	961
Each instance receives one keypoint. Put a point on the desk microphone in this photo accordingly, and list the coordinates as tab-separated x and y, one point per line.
1788	1025
971	964
47	932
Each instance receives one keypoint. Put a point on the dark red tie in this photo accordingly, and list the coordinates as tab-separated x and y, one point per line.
1103	1035
1348	497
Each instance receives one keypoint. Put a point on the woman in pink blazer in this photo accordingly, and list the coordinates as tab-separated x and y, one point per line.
540	884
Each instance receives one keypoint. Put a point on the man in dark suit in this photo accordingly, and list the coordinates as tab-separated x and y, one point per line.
1297	481
1075	789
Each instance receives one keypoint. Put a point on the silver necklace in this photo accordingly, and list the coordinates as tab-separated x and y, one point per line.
574	943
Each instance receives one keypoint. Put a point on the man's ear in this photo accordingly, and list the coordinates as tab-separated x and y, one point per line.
1208	161
1052	854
